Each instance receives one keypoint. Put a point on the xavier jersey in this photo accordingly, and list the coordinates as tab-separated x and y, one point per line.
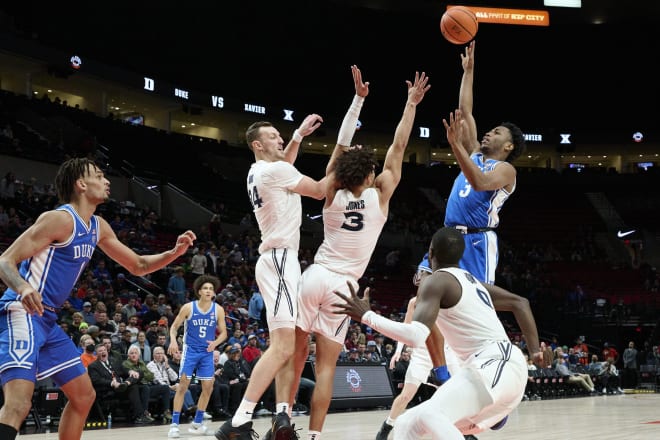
200	327
351	227
55	270
472	323
475	209
277	208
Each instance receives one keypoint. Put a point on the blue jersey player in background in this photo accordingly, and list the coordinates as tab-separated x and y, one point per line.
204	330
486	180
40	268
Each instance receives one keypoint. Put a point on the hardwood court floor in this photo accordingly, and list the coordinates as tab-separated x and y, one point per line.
622	417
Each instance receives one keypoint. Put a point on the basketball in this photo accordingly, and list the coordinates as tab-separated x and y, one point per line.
459	25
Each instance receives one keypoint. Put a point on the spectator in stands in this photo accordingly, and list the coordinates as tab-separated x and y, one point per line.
581	349
198	262
630	370
133	327
176	286
164	325
595	367
251	352
102	274
371	353
236	373
161	304
608	352
211	259
129	310
582	379
379	346
220	396
107	375
137	374
353	340
611	377
161	341
66	312
87	350
125	342
104	325
142	343
238	338
88	315
224	354
400	368
146	308
113	355
152	332
255	307
165	376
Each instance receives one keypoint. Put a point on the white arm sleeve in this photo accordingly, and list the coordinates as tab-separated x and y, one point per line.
413	334
399	348
349	124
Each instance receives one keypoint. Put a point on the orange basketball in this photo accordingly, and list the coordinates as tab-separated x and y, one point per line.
459	25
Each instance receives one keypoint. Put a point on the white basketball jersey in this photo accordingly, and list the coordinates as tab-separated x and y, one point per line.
472	324
277	208
351	227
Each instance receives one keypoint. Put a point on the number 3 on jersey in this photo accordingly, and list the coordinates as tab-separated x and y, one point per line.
354	221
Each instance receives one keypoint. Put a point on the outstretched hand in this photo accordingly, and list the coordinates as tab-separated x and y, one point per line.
467	60
184	241
353	306
417	89
309	124
361	88
455	128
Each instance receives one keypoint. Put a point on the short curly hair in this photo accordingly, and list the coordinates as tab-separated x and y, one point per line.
353	167
203	279
518	140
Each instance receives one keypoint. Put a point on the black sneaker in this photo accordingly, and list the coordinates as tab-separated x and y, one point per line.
243	432
281	428
470	437
142	420
384	431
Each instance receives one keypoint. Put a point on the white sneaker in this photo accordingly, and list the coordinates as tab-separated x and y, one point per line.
174	431
207	416
197	429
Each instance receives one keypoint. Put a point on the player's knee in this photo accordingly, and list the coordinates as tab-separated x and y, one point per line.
83	401
287	351
17	409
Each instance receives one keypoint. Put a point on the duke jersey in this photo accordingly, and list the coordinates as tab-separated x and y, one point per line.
472	324
475	209
200	327
55	270
277	208
351	227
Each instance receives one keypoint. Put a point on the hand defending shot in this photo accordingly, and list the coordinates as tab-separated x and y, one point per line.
353	306
183	242
309	124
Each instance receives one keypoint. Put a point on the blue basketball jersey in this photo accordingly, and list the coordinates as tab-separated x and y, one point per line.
200	327
475	209
55	270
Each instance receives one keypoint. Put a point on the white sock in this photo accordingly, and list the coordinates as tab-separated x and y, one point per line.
314	435
243	413
390	421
